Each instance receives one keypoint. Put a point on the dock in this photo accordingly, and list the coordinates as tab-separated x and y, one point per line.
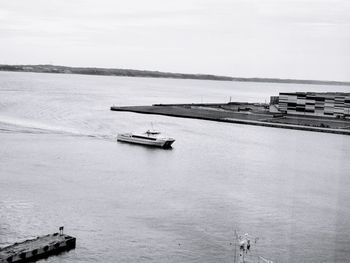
243	113
40	247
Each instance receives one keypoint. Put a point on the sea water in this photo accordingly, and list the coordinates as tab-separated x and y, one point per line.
60	164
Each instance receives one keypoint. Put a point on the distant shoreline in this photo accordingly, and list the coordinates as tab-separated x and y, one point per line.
154	74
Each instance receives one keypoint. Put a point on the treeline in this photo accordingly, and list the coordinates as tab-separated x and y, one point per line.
153	74
108	72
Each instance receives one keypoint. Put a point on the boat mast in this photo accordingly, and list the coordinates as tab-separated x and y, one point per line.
235	247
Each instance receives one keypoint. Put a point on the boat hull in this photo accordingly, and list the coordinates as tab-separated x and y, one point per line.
161	143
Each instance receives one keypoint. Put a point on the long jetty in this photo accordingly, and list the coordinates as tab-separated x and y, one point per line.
218	112
40	247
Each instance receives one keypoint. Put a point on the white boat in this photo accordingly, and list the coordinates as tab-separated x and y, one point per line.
150	138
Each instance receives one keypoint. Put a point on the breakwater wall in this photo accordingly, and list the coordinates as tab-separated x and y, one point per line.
175	110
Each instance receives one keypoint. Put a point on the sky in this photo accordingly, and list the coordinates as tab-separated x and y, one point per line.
299	39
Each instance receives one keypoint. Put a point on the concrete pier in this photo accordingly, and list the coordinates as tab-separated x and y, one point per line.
40	247
233	113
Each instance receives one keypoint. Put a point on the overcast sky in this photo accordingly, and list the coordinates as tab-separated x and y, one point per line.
304	39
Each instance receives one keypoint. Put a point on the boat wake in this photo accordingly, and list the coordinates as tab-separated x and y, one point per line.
12	125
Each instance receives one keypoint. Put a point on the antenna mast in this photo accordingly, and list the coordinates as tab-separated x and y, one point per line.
235	247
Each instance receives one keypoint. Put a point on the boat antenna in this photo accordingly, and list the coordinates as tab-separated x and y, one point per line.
235	237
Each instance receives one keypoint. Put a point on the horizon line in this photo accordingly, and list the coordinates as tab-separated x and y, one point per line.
164	74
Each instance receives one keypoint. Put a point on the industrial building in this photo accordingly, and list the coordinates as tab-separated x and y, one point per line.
327	104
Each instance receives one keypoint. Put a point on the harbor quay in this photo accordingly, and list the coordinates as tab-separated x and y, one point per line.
297	111
37	248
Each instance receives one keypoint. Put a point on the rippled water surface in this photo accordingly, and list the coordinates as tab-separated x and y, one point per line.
61	165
